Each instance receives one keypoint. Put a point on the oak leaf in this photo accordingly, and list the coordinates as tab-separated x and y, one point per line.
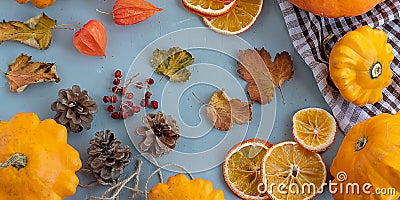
262	74
23	73
172	63
35	32
225	112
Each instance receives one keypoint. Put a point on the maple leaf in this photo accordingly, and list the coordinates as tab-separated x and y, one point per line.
262	74
225	112
23	73
35	32
172	63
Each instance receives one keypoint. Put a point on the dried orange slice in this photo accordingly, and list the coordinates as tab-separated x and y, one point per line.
314	129
238	20
241	168
209	8
291	172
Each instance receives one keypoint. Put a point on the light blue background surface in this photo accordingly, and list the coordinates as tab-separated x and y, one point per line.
124	44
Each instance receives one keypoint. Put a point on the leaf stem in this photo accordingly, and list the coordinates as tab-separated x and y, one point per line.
283	97
198	99
201	101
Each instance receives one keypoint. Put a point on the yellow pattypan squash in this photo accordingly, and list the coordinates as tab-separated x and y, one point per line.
359	65
179	187
42	164
369	157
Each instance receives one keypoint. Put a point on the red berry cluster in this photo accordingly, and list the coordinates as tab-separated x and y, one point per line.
145	102
126	108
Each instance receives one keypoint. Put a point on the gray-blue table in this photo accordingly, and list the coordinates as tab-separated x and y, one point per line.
125	44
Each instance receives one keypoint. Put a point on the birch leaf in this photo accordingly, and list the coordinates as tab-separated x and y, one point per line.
225	112
172	63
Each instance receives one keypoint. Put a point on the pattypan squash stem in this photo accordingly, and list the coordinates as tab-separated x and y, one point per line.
360	144
376	70
17	160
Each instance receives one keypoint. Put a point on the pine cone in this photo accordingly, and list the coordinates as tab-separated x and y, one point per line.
160	134
107	159
75	109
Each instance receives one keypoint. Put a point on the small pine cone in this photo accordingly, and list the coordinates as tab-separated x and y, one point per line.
160	133
75	109
107	159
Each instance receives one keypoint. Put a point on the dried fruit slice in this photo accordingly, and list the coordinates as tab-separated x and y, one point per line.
209	8
241	168
314	129
291	172
238	20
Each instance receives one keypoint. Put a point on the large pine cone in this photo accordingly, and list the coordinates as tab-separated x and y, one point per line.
107	159
75	109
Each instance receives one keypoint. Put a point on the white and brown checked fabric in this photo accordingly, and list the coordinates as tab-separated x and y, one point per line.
307	32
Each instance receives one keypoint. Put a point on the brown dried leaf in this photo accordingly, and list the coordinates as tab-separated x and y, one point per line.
224	112
281	69
253	69
23	73
261	74
35	32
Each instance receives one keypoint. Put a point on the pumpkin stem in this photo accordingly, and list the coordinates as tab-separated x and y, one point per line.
376	70
17	160
361	143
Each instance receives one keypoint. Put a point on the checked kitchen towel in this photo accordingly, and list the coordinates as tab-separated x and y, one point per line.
307	32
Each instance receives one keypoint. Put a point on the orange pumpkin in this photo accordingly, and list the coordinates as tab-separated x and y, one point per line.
336	8
38	3
370	157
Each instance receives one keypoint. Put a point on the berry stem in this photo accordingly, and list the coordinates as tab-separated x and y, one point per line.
130	82
57	26
103	12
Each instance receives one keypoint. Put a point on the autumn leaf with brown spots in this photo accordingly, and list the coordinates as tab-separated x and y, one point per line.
35	32
225	112
262	74
23	73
